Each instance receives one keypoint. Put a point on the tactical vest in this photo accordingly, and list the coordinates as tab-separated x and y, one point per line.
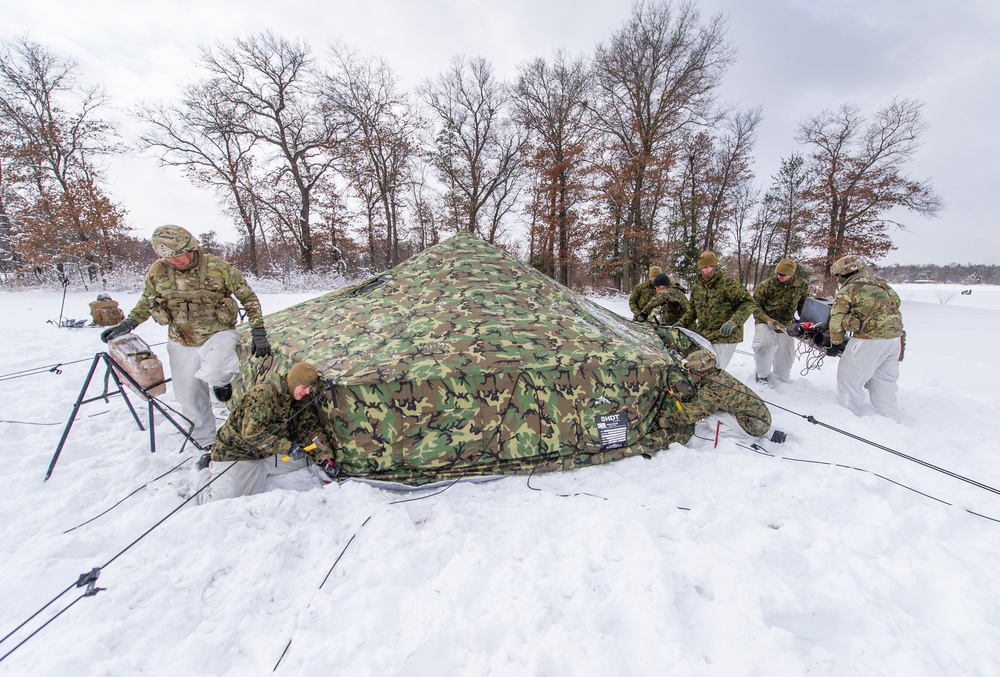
106	313
203	302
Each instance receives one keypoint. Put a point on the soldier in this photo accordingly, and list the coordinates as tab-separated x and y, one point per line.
669	298
192	293
716	396
642	293
719	307
868	309
105	311
778	299
266	434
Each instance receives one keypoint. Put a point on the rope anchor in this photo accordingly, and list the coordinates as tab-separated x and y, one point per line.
90	579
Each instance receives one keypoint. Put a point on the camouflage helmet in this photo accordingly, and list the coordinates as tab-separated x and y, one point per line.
170	241
700	361
846	265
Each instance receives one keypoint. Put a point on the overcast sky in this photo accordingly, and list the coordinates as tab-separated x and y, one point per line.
796	59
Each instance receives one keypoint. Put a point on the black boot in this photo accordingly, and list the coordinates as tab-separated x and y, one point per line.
223	393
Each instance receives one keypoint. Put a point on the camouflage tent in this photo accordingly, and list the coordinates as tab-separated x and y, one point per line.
461	361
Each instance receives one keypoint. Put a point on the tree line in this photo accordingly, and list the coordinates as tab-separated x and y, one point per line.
952	273
591	168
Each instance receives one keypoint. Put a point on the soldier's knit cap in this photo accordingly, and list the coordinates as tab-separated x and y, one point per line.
301	374
785	267
654	271
661	280
707	260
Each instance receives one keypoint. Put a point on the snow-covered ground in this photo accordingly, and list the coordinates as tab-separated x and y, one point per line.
698	561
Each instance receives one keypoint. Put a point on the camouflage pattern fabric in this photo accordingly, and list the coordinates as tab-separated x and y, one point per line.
642	294
672	303
462	361
867	307
265	422
678	343
714	302
719	391
196	302
780	300
169	241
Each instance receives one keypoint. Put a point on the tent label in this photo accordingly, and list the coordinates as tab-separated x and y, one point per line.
613	429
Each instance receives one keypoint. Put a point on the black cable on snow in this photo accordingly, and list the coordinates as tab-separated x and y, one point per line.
90	578
944	471
761	450
54	368
130	495
931	466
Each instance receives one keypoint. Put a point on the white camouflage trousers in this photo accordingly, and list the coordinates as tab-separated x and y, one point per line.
773	350
243	478
193	370
724	353
873	363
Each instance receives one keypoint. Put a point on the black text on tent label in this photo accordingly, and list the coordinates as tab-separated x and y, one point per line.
613	429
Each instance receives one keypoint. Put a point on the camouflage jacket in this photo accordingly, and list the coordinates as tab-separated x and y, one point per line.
867	307
641	295
780	300
266	422
198	302
672	300
714	302
718	391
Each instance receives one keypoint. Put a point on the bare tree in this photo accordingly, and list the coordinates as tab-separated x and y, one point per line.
551	102
53	139
200	136
478	152
746	238
730	172
855	178
274	89
789	208
656	79
716	171
380	156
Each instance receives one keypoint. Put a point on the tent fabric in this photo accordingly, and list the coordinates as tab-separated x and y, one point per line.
462	361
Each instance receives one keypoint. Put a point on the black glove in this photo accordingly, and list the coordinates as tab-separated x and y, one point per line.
123	327
641	317
260	348
727	328
835	350
296	452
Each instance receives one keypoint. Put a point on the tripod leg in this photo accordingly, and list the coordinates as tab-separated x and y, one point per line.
76	408
114	374
152	429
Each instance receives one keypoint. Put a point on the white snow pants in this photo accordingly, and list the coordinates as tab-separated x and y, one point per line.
244	478
192	370
773	349
871	362
724	353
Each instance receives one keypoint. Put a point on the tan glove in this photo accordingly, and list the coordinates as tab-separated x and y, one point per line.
775	325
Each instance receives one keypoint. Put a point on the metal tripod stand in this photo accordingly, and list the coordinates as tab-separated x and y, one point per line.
114	372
